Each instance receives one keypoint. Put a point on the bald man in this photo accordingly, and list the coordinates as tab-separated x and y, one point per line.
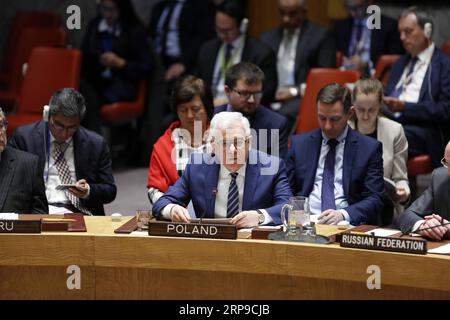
431	211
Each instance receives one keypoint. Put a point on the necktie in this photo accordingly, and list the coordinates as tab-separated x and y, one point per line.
165	28
228	50
406	80
359	24
233	196
64	174
328	201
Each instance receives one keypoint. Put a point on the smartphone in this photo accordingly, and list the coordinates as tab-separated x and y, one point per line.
65	186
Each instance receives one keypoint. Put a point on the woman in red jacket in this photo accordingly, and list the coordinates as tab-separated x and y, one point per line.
192	103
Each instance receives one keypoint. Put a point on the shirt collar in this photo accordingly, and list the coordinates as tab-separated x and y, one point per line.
425	55
52	138
104	27
340	139
225	173
296	32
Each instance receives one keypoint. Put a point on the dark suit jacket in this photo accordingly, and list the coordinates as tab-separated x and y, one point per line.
435	199
92	161
362	173
22	188
131	45
200	179
315	48
383	41
264	118
254	51
196	25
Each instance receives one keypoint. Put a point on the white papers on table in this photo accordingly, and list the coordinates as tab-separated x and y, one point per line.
9	216
57	210
445	249
383	232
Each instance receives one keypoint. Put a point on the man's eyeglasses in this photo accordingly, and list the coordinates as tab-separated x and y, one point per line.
3	125
444	163
246	94
61	127
238	143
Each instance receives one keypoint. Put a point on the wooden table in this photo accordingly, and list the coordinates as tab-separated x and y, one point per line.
132	267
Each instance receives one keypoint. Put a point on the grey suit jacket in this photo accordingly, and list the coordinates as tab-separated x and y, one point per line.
436	199
22	187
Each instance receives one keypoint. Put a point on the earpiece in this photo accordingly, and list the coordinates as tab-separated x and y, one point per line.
46	113
428	30
244	26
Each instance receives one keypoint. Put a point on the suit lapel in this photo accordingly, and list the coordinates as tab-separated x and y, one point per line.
350	149
210	183
434	66
313	149
252	173
80	154
42	150
303	40
7	168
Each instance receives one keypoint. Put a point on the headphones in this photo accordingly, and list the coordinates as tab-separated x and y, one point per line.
243	27
428	30
46	113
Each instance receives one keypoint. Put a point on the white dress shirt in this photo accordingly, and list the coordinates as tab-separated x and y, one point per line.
411	90
315	198
286	58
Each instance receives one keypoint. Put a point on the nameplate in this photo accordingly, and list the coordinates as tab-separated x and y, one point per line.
192	230
20	226
371	242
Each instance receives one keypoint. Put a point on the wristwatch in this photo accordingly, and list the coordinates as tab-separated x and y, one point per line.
261	217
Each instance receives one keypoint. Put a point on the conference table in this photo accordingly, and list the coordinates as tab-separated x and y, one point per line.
99	264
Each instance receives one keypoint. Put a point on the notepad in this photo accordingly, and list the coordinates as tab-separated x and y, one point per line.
383	232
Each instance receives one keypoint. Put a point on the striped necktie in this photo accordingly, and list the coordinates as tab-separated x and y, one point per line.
328	200
233	196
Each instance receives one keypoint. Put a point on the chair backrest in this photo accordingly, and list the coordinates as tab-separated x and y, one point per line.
22	20
317	79
339	58
33	37
446	47
49	69
384	65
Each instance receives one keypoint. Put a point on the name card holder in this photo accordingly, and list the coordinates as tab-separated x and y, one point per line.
192	230
20	226
395	244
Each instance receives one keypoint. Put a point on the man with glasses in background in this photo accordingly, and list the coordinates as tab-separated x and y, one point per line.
75	162
243	88
21	187
429	214
234	181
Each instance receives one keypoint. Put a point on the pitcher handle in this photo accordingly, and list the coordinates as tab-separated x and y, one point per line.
283	215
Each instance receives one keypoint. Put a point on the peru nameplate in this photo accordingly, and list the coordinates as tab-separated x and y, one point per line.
192	230
20	226
371	242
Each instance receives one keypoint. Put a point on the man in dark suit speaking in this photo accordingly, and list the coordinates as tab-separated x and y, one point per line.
21	186
339	169
431	211
234	181
69	155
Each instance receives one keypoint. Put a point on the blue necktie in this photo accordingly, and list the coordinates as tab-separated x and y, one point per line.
233	196
397	92
328	201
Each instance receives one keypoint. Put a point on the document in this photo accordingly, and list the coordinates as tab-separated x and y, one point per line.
9	216
383	232
445	249
389	187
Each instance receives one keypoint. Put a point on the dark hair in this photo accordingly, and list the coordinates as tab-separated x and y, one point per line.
368	86
334	92
246	71
232	8
422	16
127	14
186	88
69	102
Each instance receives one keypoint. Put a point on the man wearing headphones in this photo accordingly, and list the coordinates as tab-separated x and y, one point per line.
75	161
419	87
231	47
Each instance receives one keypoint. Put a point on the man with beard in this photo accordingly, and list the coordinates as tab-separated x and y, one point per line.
244	89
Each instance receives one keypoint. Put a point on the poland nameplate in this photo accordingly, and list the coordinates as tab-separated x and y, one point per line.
192	230
20	226
383	243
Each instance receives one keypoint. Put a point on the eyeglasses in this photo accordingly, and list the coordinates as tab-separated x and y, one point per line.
246	94
237	142
3	125
444	163
61	127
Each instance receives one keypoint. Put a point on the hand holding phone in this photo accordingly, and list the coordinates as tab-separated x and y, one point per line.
65	186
